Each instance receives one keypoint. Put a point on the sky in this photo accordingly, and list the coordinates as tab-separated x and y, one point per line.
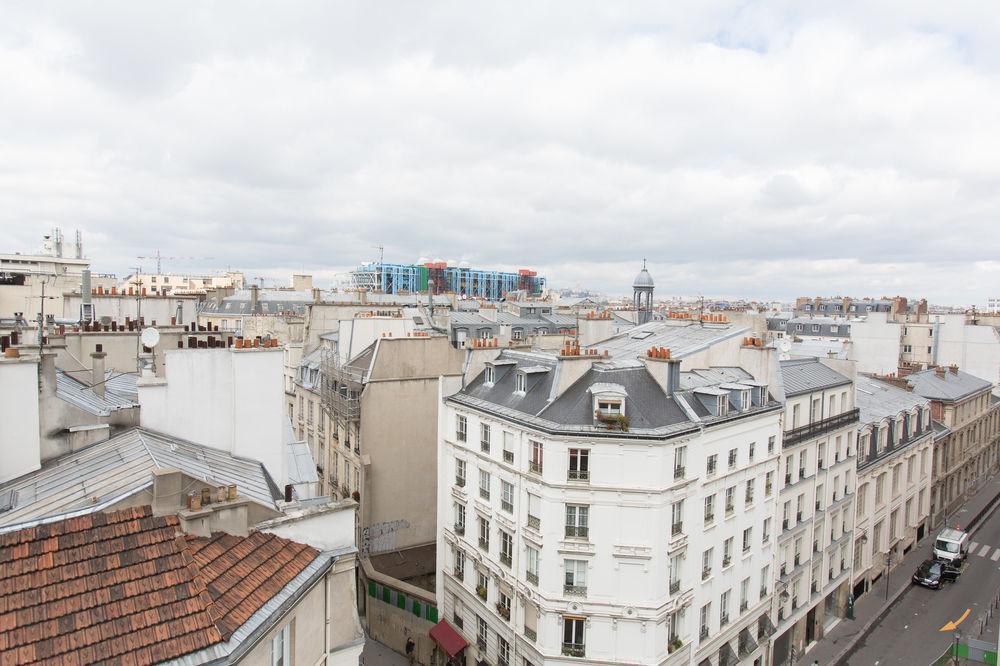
745	149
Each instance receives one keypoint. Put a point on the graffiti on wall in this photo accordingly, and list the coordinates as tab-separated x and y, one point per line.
381	537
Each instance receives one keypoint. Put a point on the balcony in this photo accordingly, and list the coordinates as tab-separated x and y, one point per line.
788	478
460	573
578	475
508	457
784	523
534	522
535	467
481	642
460	529
484	493
531	577
797	560
724	620
507	506
678	473
482	592
676	528
709	518
703	634
763	592
505	559
802	474
576	532
503	611
744	605
484	543
729	510
706	573
802	433
726	561
768	488
530	634
574	650
675	586
798	516
575	590
484	447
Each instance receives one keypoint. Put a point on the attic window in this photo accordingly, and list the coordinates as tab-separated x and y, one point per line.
722	405
490	374
815	328
641	335
520	381
745	400
609	407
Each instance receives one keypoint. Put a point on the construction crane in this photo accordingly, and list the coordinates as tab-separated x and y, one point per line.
159	260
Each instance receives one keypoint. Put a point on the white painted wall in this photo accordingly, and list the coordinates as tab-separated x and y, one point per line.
875	343
229	399
975	349
327	530
20	446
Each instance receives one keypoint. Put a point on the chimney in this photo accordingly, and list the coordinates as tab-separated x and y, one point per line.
47	373
254	297
97	370
953	368
665	369
317	297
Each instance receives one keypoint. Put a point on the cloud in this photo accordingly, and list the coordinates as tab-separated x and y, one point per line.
746	149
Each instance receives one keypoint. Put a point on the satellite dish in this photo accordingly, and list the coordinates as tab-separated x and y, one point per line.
785	345
150	337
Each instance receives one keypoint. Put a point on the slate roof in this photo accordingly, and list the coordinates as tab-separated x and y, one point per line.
128	587
99	475
804	375
84	397
877	400
681	337
951	387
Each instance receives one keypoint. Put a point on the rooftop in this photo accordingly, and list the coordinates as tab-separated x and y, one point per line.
804	375
94	478
681	336
878	399
127	586
948	387
82	395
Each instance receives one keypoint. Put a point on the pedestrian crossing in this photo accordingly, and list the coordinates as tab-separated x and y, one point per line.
983	550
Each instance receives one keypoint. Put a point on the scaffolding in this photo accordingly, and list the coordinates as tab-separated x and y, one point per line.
340	387
440	278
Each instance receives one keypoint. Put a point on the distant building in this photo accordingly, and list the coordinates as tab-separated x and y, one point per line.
180	283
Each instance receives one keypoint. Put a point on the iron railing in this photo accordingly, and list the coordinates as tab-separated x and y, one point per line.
818	428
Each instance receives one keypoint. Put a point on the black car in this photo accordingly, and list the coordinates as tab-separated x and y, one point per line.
932	573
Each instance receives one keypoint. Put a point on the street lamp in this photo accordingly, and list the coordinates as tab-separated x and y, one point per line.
888	561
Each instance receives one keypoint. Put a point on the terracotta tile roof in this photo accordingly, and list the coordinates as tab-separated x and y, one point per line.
128	587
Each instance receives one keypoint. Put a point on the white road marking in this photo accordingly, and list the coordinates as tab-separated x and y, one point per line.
972	546
985	549
996	555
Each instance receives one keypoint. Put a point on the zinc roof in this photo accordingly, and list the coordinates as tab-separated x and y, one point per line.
804	375
949	387
878	400
83	396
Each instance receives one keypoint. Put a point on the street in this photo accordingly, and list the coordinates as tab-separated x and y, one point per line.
911	633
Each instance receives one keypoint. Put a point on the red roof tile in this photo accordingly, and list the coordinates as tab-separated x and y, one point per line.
126	587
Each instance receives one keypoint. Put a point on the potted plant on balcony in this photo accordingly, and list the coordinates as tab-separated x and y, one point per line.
674	645
481	591
503	611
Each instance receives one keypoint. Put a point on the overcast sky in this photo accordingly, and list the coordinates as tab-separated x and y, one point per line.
746	149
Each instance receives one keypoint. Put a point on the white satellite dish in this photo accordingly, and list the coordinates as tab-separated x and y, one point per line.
785	345
150	337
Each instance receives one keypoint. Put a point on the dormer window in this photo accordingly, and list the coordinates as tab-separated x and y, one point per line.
722	406
609	407
815	328
745	403
520	381
490	375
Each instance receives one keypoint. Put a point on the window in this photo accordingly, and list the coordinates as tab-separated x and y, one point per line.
705	618
536	458
506	548
519	382
459	473
460	564
834	328
748	494
459	518
732	458
706	563
765	575
744	594
727	552
506	496
503	647
490	374
281	646
821	456
577	518
573	638
508	447
534	511
609	407
482	584
531	568
753	448
576	577
484	437
767	531
680	454
710	465
675	572
724	609
730	500
677	518
770	444
482	632
484	534
709	509
484	484
768	483
747	539
461	428
880	489
579	464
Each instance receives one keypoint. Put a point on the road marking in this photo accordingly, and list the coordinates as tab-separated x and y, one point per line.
951	626
996	555
982	553
972	546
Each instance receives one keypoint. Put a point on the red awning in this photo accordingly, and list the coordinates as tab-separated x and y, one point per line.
449	639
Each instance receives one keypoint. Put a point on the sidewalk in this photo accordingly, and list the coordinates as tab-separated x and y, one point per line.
873	606
377	654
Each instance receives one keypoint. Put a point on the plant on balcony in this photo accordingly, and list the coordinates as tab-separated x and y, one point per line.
674	645
503	611
481	591
612	421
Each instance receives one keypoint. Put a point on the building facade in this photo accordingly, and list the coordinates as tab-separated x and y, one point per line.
598	511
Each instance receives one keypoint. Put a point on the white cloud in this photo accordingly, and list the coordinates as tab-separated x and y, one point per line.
747	149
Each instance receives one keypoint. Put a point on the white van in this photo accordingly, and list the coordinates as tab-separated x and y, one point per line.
951	545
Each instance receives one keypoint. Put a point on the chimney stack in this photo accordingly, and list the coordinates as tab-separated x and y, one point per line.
97	369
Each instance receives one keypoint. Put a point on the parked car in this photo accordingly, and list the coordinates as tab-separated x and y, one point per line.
933	573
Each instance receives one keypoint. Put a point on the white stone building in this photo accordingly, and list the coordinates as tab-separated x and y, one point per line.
596	510
815	507
895	448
